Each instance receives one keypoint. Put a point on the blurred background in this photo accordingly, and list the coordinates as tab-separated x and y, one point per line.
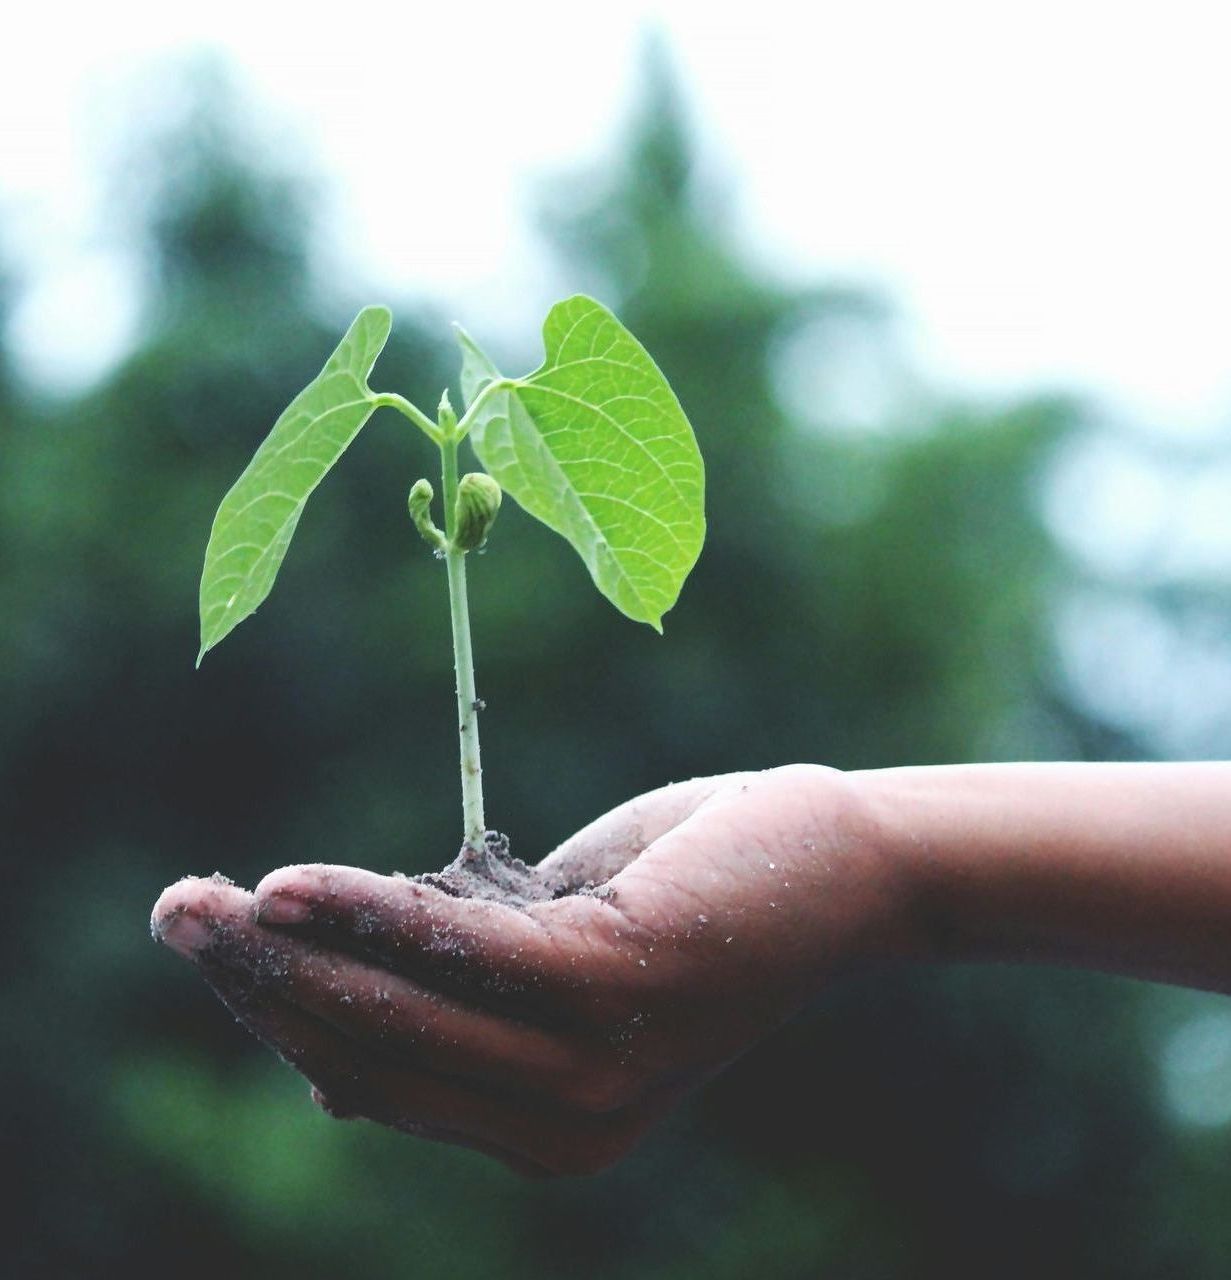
944	294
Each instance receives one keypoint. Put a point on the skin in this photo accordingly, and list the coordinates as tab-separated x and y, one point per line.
553	1038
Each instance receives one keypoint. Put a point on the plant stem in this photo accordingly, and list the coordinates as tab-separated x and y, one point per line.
391	400
463	658
492	388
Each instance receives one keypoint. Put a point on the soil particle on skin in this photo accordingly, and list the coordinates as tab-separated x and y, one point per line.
493	874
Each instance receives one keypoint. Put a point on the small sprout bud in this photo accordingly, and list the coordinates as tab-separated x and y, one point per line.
445	415
478	500
420	504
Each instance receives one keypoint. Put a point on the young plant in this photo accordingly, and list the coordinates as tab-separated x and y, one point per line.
593	443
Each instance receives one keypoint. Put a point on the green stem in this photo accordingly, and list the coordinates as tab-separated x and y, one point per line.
391	400
500	384
463	658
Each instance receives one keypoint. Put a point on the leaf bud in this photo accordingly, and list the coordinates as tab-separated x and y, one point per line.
420	505
445	415
478	500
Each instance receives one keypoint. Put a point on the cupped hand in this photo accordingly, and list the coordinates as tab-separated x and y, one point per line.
553	1036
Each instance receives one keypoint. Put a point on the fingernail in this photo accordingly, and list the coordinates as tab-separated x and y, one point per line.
283	910
185	934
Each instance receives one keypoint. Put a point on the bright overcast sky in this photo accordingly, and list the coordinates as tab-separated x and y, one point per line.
1042	187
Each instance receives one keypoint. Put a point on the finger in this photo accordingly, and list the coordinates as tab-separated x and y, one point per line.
534	1137
550	958
187	915
217	916
422	1028
546	1137
377	1008
608	844
335	1066
526	1168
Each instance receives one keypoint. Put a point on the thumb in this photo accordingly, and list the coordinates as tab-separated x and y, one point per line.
608	844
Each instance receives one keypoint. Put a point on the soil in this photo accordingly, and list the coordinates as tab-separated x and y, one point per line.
495	875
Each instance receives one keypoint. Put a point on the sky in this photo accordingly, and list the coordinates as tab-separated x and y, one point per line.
1041	189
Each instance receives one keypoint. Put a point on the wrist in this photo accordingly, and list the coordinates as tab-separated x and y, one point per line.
901	820
862	872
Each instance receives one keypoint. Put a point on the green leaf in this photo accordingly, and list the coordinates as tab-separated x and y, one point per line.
595	445
257	518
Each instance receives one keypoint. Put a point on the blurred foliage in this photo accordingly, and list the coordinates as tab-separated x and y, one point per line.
864	599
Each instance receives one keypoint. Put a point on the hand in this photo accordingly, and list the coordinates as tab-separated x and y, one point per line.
553	1037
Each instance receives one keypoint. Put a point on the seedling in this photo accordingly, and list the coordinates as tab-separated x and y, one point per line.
593	443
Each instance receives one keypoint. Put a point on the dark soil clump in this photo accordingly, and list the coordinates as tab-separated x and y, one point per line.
495	875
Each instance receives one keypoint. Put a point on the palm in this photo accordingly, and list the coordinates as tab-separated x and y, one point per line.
692	931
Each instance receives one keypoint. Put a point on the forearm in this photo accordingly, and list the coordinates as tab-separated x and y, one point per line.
1120	867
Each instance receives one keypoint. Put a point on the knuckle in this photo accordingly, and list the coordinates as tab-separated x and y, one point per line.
600	1090
590	1152
301	878
332	1105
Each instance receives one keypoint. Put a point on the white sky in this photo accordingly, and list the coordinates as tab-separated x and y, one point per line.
1041	187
